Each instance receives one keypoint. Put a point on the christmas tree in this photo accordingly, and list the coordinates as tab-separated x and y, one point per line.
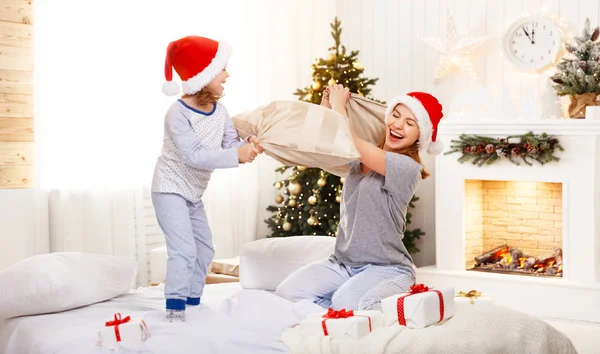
579	72
308	199
338	68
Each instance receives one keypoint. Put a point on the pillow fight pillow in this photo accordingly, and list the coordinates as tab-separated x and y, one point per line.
297	133
63	281
267	262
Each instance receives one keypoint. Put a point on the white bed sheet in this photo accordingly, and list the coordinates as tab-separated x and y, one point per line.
231	320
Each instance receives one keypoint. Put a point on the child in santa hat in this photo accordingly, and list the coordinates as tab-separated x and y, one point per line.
370	262
199	137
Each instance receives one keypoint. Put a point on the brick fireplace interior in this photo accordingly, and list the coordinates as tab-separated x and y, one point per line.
513	227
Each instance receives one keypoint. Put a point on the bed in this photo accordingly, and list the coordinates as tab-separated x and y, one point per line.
225	323
244	317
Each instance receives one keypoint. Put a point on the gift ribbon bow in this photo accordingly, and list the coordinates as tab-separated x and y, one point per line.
472	295
116	322
417	289
333	314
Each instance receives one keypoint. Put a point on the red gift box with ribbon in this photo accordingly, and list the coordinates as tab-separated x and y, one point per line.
420	307
122	329
342	323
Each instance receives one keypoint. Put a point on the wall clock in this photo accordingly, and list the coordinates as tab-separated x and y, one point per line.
532	43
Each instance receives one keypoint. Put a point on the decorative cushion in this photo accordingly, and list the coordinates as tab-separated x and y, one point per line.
266	263
62	281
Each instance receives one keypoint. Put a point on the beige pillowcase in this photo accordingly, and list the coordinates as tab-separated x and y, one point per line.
297	133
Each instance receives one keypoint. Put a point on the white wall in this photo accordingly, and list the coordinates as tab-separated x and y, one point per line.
388	32
23	224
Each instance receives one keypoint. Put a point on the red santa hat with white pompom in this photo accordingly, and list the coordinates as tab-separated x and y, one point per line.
197	61
428	112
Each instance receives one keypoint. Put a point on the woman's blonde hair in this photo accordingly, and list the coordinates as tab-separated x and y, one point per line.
412	152
203	97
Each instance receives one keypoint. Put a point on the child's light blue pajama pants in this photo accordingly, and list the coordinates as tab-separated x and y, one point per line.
329	283
189	248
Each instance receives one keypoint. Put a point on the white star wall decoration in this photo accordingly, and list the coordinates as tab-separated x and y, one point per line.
455	52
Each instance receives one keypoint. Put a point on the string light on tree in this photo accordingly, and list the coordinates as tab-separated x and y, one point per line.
455	52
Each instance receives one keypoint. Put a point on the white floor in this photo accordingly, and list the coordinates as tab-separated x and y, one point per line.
584	335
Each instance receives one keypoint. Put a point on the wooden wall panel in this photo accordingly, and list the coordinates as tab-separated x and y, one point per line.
17	148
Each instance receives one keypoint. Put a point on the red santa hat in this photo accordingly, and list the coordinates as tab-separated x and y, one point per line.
428	112
197	60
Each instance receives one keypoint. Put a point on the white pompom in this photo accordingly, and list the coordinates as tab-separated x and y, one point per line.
435	148
170	88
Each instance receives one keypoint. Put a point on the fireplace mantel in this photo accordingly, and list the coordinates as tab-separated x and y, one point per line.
576	295
514	127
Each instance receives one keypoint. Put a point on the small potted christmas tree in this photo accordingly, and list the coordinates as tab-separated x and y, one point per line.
579	72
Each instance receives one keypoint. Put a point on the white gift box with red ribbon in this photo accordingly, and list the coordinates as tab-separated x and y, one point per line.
342	323
126	330
419	308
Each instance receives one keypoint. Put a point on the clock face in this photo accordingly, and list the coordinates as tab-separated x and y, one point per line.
533	43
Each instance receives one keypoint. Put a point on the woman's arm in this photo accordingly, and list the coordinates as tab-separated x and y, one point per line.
370	155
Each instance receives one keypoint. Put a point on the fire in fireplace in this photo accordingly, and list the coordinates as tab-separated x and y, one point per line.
505	259
513	227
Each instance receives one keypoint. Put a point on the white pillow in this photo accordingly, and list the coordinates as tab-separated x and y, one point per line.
266	263
62	281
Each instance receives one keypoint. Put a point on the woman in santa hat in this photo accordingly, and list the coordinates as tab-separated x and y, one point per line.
370	261
199	137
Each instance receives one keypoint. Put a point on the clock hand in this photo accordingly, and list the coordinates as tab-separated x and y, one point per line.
527	34
533	36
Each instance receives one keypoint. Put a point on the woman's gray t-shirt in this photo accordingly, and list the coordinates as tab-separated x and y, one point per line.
373	213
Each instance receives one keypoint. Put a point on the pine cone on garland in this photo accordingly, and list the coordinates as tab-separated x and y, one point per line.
515	151
595	34
532	149
467	150
490	148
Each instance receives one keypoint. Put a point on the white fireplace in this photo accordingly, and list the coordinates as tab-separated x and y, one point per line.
535	209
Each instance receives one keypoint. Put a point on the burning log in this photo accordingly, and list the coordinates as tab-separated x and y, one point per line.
558	256
492	256
529	263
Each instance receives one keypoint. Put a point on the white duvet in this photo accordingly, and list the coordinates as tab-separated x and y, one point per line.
248	321
254	321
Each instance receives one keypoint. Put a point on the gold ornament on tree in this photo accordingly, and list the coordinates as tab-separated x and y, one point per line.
278	198
301	168
292	203
357	65
294	188
312	200
321	182
278	185
338	198
342	180
311	221
331	82
316	85
287	226
331	57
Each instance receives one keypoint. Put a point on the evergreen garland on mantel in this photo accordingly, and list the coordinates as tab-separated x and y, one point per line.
483	150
